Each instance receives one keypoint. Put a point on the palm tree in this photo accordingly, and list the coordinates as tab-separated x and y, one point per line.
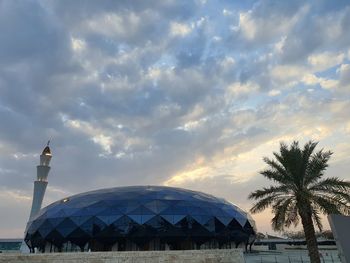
301	191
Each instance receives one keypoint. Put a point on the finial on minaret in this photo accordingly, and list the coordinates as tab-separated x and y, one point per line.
47	150
46	155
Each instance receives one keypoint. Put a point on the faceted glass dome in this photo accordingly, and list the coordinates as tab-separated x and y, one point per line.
139	218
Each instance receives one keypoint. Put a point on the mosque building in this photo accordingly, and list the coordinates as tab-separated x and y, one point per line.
134	218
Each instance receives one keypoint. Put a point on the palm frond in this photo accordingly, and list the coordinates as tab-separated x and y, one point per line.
306	154
342	205
279	220
291	158
330	184
292	216
328	205
273	190
282	156
339	196
275	176
318	163
263	204
278	167
317	219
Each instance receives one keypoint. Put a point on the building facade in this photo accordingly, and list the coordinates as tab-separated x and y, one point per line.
139	218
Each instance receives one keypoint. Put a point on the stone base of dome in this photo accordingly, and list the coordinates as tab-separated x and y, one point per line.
189	256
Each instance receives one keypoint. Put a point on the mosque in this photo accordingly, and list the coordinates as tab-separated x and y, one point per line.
133	218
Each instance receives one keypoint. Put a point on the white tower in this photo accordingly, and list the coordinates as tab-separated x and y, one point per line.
42	171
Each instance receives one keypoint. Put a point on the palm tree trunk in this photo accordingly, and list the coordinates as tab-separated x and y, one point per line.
310	237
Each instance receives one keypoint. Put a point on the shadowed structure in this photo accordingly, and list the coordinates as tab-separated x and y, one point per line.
139	218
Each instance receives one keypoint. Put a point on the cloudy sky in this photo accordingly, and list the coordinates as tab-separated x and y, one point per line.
188	93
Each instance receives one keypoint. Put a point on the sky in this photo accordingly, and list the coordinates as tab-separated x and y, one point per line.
185	93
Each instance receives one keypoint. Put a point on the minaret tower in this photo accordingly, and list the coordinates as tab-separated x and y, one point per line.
42	171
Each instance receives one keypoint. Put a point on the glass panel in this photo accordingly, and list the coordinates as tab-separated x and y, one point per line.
44	231
56	221
146	218
241	220
65	231
169	218
131	215
225	220
178	218
136	218
79	220
109	219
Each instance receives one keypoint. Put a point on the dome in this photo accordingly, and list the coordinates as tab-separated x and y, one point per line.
139	218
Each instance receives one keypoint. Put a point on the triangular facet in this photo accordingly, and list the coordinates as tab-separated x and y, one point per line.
108	220
241	220
224	219
79	220
136	218
199	219
65	231
141	210
146	218
71	211
156	206
169	218
109	211
59	213
56	221
44	231
178	218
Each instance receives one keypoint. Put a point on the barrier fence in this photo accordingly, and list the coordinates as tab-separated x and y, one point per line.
295	257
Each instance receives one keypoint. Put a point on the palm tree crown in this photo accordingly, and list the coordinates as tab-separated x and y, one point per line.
300	191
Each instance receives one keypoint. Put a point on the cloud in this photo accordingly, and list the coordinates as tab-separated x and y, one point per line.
344	76
316	33
187	93
311	79
257	25
326	60
238	89
177	29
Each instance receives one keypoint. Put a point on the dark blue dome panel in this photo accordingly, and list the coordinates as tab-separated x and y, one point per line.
173	217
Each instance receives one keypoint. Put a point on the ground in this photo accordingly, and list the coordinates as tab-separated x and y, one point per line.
300	256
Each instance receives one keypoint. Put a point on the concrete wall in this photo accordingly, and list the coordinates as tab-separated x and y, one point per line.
341	231
184	256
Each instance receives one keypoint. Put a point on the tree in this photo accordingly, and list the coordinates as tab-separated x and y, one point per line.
301	193
260	235
294	235
328	234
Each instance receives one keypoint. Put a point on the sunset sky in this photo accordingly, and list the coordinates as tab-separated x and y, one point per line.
181	93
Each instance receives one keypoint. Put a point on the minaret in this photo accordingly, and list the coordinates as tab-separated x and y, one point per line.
42	171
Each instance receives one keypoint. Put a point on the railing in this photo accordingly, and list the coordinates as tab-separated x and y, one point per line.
291	257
